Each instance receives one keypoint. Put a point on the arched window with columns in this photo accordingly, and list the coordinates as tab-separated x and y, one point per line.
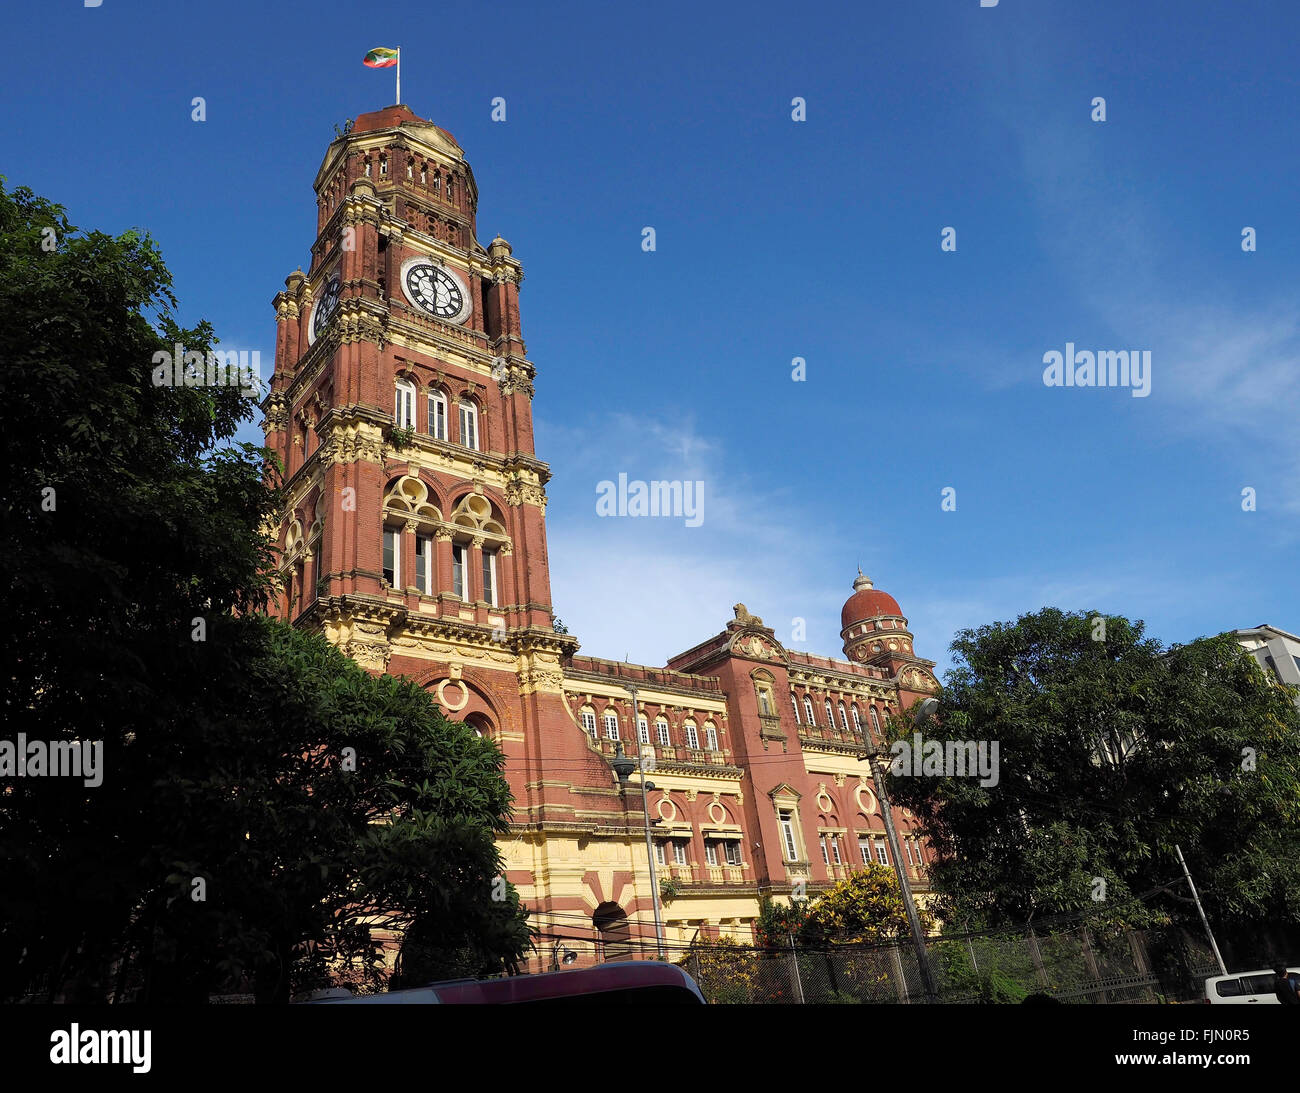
479	540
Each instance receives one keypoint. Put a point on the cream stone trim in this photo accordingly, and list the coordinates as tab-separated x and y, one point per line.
833	763
645	695
675	782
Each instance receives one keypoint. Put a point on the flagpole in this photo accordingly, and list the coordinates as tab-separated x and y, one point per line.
399	76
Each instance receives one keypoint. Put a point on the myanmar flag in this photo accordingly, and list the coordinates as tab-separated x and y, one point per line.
380	58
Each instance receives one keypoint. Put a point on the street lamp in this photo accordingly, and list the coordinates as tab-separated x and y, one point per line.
874	757
623	767
556	959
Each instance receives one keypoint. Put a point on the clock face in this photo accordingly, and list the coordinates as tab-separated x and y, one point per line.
434	289
323	310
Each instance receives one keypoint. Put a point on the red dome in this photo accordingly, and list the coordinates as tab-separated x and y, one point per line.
867	603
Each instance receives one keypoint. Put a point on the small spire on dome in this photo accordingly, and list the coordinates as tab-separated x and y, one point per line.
862	581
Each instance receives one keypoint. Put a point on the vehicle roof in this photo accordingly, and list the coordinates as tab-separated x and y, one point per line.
615	976
1257	971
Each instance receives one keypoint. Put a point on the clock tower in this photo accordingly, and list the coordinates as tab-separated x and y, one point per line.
414	535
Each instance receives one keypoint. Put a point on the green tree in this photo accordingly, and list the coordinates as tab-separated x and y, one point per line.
124	517
728	973
777	923
864	908
320	804
1112	749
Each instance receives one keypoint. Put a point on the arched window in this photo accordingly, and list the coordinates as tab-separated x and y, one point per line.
857	721
808	709
588	719
469	424
611	725
661	730
437	415
424	173
692	734
410	168
875	721
490	577
424	563
393	556
794	702
407	502
460	569
404	404
763	693
844	718
383	166
830	715
642	729
710	736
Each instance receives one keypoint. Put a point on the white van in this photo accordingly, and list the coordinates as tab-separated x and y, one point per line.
1246	988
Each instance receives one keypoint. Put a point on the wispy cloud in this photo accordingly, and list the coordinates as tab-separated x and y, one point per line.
649	587
1227	368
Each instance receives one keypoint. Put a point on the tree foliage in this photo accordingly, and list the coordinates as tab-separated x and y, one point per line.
1113	749
777	923
864	908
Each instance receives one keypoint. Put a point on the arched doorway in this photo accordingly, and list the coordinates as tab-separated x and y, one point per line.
612	931
480	723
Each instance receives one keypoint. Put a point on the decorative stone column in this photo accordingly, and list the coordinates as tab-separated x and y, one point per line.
474	578
505	577
408	556
308	578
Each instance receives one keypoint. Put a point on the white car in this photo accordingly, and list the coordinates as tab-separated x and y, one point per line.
1247	988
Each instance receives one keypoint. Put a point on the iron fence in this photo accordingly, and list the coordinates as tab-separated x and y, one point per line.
1079	966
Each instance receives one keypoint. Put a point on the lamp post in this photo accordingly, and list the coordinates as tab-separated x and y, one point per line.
623	767
874	757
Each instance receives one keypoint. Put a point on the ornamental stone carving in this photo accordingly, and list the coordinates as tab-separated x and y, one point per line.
545	680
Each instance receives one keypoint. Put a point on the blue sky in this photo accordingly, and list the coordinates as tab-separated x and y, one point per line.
779	239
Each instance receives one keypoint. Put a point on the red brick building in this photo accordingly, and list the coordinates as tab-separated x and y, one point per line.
415	540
